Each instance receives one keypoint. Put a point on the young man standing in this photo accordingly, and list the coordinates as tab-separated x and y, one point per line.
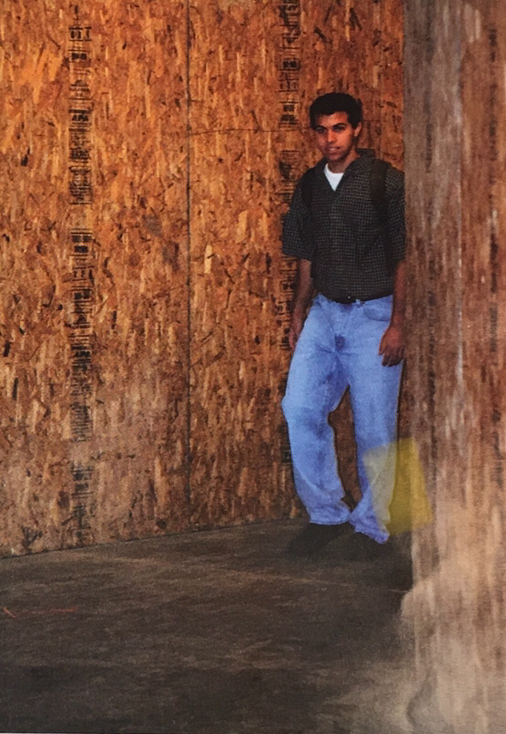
349	241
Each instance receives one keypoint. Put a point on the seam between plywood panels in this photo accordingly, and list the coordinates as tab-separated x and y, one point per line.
188	488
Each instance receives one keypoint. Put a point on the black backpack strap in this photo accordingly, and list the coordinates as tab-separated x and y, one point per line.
379	171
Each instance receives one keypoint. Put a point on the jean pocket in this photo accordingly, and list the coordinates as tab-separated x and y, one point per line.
380	309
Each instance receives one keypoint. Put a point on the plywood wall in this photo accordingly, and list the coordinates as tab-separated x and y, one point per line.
455	158
148	151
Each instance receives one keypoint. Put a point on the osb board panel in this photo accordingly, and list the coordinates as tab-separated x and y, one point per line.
456	194
142	233
253	65
34	265
125	475
95	432
357	47
236	359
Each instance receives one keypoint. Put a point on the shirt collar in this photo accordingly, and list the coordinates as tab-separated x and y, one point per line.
359	164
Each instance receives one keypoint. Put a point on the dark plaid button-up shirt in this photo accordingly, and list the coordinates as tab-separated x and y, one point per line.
343	236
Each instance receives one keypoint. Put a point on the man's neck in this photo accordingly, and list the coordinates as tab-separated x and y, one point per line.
341	166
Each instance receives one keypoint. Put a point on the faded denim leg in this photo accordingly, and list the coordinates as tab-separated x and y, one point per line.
316	383
374	392
339	347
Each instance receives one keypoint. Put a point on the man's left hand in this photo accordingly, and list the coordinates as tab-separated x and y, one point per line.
392	346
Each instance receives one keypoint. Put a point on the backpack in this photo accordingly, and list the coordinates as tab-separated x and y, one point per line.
378	197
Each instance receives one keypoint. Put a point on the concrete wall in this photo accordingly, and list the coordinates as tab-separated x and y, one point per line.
455	125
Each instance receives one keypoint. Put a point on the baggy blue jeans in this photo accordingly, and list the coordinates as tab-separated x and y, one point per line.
338	347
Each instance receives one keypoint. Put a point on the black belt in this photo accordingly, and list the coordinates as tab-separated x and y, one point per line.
348	300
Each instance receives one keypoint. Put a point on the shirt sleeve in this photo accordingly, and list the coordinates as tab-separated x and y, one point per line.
297	229
396	222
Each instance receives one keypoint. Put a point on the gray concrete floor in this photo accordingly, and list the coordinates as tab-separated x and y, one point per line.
208	633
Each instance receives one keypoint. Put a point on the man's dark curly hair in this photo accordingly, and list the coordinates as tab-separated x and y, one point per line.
333	102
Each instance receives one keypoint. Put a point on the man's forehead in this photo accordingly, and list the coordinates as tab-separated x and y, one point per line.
337	118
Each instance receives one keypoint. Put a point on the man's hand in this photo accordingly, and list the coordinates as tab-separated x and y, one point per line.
392	346
296	324
392	343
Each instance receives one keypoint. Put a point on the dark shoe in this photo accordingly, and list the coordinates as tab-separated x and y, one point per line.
361	547
314	538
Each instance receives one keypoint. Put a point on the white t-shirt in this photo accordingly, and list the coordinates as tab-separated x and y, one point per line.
333	178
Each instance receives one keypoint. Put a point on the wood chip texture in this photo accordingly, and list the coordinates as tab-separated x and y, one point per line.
142	372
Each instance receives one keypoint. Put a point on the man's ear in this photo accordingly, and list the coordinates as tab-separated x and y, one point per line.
357	130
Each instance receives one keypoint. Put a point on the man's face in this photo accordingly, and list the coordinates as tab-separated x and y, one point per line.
337	139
